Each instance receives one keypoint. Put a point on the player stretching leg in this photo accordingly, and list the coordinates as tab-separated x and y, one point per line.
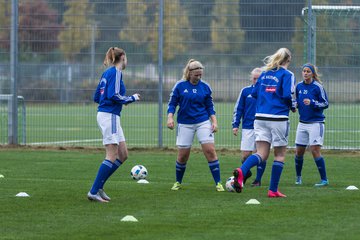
273	91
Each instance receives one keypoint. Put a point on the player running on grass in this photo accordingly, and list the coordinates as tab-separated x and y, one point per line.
311	101
245	110
196	115
273	91
110	95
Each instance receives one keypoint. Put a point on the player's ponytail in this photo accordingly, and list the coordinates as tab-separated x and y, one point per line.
113	56
278	59
191	66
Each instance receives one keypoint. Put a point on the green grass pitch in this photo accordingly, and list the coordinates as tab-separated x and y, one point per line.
57	182
75	125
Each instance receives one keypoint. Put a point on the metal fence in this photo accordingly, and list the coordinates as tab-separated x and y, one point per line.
62	45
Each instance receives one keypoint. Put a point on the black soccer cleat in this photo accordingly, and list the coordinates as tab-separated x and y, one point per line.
248	175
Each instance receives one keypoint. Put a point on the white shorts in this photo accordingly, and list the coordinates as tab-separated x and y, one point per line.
310	134
273	132
247	140
110	128
186	132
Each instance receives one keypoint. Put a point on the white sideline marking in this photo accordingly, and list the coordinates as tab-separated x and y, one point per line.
340	131
64	142
67	129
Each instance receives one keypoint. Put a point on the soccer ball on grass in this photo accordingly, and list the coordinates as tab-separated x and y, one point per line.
230	184
139	172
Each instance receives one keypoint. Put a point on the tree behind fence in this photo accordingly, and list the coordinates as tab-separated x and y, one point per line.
62	46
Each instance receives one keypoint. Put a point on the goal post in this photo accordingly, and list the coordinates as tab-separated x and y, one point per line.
6	113
310	14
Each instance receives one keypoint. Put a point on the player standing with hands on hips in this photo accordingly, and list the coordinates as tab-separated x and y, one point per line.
196	115
245	110
311	101
110	95
273	91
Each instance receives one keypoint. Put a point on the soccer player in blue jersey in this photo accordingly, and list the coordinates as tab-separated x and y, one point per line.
110	95
273	92
245	110
311	101
196	115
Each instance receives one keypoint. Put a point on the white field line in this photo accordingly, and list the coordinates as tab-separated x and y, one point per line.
65	142
340	131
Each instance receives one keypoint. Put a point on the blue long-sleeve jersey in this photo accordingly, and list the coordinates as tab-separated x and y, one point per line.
110	92
244	109
195	102
273	91
318	101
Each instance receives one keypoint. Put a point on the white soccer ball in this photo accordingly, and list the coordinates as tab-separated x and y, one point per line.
230	184
139	172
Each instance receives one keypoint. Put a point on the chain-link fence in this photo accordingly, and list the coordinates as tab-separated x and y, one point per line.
62	46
